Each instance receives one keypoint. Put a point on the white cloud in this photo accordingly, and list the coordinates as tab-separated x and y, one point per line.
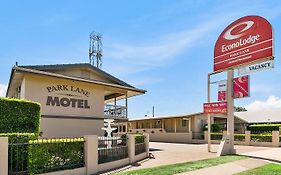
271	103
262	88
3	89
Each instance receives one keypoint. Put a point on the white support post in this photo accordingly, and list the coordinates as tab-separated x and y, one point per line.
131	147
126	104
227	144
209	116
4	155
91	154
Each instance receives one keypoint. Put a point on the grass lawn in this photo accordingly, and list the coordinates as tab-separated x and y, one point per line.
183	167
268	169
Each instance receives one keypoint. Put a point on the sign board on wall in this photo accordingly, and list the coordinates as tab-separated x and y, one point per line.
256	67
246	40
67	96
222	91
241	87
215	108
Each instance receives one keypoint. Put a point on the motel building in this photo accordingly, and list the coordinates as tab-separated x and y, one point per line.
75	98
187	128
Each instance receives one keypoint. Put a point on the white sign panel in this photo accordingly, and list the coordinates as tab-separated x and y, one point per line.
256	67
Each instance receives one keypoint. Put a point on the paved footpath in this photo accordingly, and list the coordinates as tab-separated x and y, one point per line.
228	168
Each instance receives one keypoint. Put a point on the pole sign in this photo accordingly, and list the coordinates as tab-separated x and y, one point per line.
215	108
241	87
246	40
222	91
256	67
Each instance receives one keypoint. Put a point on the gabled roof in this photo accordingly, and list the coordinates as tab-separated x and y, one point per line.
45	70
77	65
262	116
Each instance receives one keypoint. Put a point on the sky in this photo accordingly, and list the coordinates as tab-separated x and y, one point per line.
163	46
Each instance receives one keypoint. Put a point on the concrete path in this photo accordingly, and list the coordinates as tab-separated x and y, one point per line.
171	153
229	168
271	154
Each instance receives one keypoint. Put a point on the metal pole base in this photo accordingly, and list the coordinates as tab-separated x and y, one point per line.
225	148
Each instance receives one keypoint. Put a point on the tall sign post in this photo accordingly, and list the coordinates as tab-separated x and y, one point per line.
246	41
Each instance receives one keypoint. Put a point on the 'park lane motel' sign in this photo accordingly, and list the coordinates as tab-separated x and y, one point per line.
246	40
67	96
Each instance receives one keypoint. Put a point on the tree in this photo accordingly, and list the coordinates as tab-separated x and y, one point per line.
239	109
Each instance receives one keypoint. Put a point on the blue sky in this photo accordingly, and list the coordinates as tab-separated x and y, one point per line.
165	47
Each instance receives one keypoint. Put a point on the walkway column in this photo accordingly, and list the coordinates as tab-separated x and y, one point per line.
4	144
230	111
131	147
91	154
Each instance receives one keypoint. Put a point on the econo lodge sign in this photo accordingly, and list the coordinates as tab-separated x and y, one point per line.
246	40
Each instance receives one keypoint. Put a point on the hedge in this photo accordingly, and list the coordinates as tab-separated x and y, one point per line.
241	137
264	128
139	139
48	155
19	116
261	137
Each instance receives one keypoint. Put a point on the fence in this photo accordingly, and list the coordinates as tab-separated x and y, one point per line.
79	156
271	139
111	149
45	155
139	145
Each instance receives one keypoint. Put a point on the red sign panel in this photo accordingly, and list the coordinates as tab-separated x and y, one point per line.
215	108
241	87
221	95
246	40
222	91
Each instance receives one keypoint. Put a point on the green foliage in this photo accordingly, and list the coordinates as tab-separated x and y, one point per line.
47	155
268	169
139	139
183	167
264	128
216	136
19	116
239	137
239	109
214	127
261	137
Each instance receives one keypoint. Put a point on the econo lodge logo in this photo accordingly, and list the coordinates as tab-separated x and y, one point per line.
237	31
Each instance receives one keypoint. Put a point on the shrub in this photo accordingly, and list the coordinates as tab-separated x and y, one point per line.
214	127
264	128
216	136
47	155
139	139
19	116
239	137
261	137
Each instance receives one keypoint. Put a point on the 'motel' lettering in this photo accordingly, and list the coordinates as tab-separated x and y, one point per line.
65	102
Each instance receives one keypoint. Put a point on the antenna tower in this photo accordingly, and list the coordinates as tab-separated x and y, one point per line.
95	49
